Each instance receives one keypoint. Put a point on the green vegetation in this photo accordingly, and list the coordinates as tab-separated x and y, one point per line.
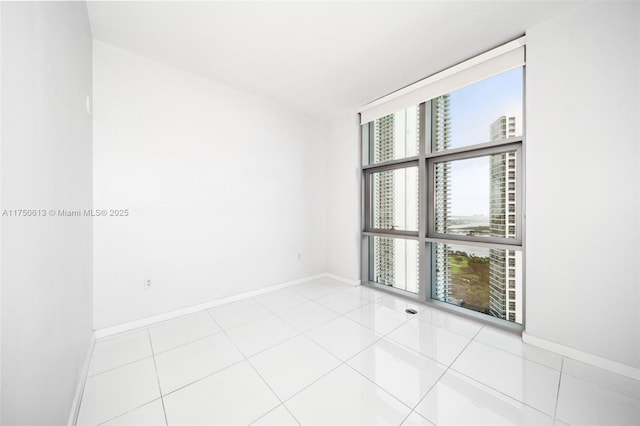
474	230
470	280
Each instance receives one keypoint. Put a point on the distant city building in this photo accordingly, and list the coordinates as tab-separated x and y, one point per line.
441	122
504	276
384	184
396	261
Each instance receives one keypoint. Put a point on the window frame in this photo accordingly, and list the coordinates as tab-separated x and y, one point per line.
369	210
426	236
476	151
368	231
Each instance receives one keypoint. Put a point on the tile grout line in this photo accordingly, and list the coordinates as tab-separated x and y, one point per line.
272	391
186	343
341	363
86	379
443	373
255	299
145	403
450	330
338	315
316	380
349	311
555	408
155	366
519	356
411	409
128	411
365	302
345	362
210	313
378	386
272	313
491	387
199	379
271	411
427	356
601	385
120	366
152	351
315	326
227	366
124	365
497	390
298	332
502	393
258	373
337	290
222	330
205	312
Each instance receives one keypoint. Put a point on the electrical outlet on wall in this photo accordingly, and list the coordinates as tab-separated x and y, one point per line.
147	283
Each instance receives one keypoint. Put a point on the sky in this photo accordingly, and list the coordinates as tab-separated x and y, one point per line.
473	109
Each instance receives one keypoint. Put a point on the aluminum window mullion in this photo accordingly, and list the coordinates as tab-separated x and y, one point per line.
519	195
424	264
390	234
390	163
477	153
443	156
367	201
363	132
431	202
368	211
474	243
365	135
457	239
475	147
397	164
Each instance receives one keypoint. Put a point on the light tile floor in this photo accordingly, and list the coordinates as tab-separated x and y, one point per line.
324	353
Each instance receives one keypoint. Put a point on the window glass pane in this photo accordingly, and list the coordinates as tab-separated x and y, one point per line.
395	136
474	196
485	111
480	279
394	199
394	262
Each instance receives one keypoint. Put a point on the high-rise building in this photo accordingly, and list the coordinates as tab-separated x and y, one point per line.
441	122
384	268
396	261
504	275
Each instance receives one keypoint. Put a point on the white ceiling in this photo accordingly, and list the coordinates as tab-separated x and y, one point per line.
321	57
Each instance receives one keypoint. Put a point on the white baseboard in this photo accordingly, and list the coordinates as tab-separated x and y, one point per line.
578	355
132	325
354	283
82	379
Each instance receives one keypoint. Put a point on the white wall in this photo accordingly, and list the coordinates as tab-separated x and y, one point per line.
224	189
343	199
582	277
46	164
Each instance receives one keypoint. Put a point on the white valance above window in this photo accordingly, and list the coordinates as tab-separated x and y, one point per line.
501	59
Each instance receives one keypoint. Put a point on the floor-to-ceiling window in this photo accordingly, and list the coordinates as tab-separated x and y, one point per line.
443	189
